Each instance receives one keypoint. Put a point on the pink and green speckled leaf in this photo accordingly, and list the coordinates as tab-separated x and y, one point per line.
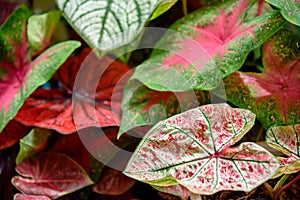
19	76
193	149
286	139
206	46
50	174
273	95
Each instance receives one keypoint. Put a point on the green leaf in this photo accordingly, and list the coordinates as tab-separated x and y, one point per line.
286	139
40	29
162	8
290	9
107	24
35	141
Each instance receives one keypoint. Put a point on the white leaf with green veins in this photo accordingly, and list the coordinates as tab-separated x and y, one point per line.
107	24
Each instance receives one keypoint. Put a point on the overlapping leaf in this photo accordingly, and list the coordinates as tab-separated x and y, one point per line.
143	106
193	149
51	175
286	139
19	77
274	95
177	190
290	9
107	25
55	109
206	46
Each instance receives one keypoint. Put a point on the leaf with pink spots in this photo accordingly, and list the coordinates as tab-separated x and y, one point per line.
286	139
193	149
273	95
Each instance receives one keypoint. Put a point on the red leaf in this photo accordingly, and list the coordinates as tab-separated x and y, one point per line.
50	174
55	108
113	182
30	197
12	133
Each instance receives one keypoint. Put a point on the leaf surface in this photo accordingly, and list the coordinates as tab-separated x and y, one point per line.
286	139
92	98
162	8
20	196
107	25
193	149
274	94
206	46
177	190
290	9
44	175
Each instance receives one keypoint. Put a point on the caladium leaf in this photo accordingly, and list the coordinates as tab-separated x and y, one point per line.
44	175
12	133
193	149
30	197
54	108
286	139
273	95
290	9
107	25
35	141
162	7
19	77
206	46
177	190
143	106
113	182
40	29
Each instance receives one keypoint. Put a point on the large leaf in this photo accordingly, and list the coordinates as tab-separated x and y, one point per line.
206	46
92	98
19	77
193	149
290	9
50	174
274	95
286	139
143	106
107	25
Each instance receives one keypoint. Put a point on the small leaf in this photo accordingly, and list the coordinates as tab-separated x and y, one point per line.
107	25
30	197
113	182
35	141
193	149
290	9
40	29
51	175
162	8
177	190
90	103
286	139
206	46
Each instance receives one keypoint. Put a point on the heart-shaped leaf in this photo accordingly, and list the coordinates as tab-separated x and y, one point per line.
107	25
274	95
286	139
30	197
12	133
50	174
19	77
206	46
143	106
40	29
92	98
193	149
290	9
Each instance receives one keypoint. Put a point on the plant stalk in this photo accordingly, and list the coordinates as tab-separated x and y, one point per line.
279	188
184	7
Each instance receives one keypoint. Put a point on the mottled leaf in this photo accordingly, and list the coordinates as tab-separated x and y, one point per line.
177	190
107	25
30	197
50	174
206	46
193	149
290	9
143	106
162	7
286	139
40	29
113	182
35	141
90	101
274	94
12	133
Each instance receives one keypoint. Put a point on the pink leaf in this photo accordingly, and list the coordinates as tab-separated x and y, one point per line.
177	190
30	197
51	175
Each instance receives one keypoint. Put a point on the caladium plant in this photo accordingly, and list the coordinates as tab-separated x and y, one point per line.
194	149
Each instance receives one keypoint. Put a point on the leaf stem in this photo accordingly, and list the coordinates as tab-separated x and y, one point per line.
184	7
278	187
267	189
